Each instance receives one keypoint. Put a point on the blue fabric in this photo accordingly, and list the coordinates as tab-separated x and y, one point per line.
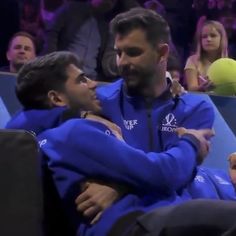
4	114
153	128
150	129
36	121
72	160
210	184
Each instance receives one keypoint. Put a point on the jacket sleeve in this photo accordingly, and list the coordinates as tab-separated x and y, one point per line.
202	117
80	147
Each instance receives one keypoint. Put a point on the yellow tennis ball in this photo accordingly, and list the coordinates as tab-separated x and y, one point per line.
222	73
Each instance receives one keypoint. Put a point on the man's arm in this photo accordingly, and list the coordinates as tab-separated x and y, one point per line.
201	118
86	147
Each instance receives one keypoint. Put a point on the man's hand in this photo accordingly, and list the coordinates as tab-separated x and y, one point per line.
96	198
177	89
232	167
115	129
203	136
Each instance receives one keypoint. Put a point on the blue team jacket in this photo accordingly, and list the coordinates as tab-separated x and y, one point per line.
36	121
72	158
150	126
211	184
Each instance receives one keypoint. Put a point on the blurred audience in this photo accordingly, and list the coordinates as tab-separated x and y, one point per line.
32	22
174	68
20	50
212	44
82	28
9	24
174	55
48	8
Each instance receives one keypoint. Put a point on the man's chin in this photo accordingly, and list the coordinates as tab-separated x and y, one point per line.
96	107
131	82
19	65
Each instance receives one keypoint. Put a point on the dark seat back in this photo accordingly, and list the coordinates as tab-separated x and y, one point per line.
21	205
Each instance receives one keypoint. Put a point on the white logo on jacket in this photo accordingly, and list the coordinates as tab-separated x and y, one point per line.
199	178
169	123
42	142
130	124
222	181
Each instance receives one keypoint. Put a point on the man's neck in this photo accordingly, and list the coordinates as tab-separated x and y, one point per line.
12	69
157	89
15	68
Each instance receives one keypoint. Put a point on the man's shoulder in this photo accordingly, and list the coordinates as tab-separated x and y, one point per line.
36	120
109	90
195	99
75	127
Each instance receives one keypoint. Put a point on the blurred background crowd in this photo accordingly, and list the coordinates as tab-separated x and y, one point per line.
202	31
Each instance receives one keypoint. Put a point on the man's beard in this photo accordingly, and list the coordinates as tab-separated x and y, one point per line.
137	80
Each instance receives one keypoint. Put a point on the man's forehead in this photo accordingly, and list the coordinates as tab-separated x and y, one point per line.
136	36
72	68
22	40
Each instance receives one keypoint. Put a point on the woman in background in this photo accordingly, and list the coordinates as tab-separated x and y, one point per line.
212	44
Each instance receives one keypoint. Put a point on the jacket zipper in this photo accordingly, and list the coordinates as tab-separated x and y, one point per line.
150	128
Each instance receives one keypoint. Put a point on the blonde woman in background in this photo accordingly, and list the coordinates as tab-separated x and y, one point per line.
212	44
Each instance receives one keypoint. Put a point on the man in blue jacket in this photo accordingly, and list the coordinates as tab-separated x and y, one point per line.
109	159
138	92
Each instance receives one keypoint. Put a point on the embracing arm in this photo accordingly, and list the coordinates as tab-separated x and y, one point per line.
82	148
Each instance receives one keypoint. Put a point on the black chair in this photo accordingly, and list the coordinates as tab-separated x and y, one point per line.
21	204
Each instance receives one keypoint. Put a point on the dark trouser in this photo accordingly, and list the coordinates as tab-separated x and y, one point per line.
193	218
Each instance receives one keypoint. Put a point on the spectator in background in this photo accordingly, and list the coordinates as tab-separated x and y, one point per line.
174	55
31	21
174	68
155	6
228	19
212	44
82	27
9	24
21	49
48	9
232	168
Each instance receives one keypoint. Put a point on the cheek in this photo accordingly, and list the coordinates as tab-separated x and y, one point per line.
218	41
203	41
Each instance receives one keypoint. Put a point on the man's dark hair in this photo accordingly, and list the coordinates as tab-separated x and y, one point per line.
156	28
23	34
37	77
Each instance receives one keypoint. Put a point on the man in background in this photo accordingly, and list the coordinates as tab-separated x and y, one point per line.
21	49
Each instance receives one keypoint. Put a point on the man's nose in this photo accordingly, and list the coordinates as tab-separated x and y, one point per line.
92	84
22	50
122	60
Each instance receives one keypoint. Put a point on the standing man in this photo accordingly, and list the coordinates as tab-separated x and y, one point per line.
21	49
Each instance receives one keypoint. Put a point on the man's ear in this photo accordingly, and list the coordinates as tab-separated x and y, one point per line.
163	51
56	98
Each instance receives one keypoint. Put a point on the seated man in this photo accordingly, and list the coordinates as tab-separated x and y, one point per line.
21	49
148	176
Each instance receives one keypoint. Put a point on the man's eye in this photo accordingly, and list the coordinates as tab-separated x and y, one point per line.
134	52
17	47
118	52
82	79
